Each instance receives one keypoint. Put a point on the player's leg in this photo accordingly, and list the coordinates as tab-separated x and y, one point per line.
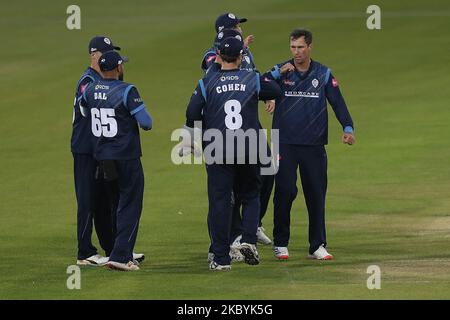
131	188
220	185
236	220
103	212
248	188
285	193
313	171
112	190
267	182
236	227
84	170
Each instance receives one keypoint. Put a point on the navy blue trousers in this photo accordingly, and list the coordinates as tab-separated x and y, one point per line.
93	207
131	194
246	183
267	183
312	164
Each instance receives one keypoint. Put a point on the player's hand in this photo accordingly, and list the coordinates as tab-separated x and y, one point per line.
185	150
188	145
348	138
249	40
288	67
270	106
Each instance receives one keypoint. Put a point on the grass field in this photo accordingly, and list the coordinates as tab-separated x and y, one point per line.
388	200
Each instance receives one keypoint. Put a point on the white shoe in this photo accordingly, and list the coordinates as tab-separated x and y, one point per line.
95	260
250	253
130	266
262	237
214	266
235	253
281	253
139	257
321	254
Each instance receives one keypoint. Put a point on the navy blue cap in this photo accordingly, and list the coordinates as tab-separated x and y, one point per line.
231	47
227	21
111	60
102	44
226	33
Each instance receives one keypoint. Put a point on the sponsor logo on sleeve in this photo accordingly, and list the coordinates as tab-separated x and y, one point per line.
334	82
288	82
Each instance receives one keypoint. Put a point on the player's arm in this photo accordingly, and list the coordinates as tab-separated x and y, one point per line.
337	102
80	94
278	70
137	108
208	60
194	113
82	85
215	67
194	109
270	90
82	101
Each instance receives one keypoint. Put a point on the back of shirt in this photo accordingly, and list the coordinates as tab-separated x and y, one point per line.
231	98
81	132
112	105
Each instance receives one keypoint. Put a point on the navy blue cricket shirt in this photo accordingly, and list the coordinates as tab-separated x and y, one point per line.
301	112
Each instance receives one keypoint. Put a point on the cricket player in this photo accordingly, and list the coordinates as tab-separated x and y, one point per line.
229	21
92	198
228	25
228	101
302	120
115	109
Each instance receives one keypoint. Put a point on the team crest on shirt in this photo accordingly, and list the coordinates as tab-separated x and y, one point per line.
315	83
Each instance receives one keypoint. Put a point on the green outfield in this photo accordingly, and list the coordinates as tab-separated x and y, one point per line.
388	201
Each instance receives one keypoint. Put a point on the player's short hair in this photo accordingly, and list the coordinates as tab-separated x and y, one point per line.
298	33
228	58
